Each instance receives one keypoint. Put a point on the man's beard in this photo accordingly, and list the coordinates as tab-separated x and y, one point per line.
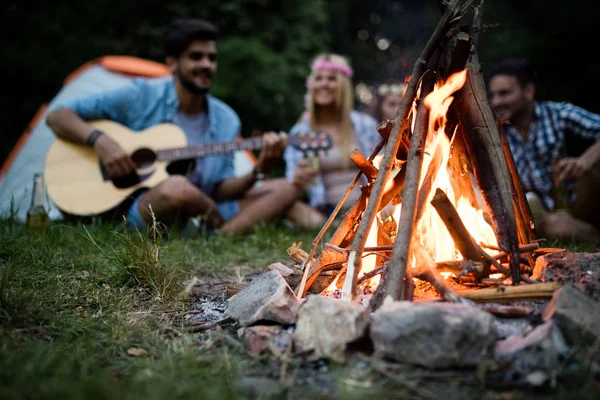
189	84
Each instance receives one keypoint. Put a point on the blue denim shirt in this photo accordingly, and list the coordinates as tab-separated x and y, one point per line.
147	102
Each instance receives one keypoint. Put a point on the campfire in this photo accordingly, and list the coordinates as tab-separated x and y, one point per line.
443	199
442	217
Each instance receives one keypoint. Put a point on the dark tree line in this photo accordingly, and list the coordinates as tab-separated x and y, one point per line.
266	46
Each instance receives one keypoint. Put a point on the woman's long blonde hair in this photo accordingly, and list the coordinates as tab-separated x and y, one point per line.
343	102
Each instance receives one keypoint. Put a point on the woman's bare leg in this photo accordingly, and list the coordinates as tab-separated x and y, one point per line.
262	203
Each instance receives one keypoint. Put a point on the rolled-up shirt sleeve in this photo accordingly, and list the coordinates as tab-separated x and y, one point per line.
113	104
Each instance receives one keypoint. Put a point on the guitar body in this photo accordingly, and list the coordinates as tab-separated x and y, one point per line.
78	184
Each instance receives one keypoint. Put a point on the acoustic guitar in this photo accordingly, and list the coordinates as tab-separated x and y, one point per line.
79	185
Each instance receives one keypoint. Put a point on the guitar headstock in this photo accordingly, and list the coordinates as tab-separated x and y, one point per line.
312	142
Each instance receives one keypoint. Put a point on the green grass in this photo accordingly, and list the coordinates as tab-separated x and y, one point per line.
74	300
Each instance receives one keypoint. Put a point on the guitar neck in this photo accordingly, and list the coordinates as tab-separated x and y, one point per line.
205	150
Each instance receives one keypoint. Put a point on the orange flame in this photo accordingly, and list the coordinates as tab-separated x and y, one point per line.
431	232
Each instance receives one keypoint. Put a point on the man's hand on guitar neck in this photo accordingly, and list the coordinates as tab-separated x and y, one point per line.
273	146
116	161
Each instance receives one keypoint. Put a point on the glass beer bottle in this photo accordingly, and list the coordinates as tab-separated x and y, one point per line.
37	217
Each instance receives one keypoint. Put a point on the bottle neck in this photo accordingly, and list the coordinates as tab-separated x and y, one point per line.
38	198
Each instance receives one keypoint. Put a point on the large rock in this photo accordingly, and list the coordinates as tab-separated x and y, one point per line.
268	298
576	314
434	335
326	326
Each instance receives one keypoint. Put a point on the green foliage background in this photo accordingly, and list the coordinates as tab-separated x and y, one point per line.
266	46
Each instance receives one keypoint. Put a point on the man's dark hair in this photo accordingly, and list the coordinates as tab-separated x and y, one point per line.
182	31
520	68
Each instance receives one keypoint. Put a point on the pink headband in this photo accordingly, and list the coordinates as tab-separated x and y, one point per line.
331	66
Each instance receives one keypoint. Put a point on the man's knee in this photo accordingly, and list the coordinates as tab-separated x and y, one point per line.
174	191
285	190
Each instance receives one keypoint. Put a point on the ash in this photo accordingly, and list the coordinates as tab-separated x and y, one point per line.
210	309
363	297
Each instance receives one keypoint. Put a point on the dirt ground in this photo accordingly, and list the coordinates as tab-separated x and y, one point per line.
271	376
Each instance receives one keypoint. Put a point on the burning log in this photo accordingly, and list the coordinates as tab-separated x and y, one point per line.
462	239
485	149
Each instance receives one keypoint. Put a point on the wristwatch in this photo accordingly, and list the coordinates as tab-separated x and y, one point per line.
258	176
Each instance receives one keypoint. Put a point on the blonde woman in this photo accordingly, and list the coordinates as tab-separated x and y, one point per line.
330	110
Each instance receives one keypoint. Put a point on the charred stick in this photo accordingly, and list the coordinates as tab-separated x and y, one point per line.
363	164
425	270
524	249
500	268
455	57
476	27
485	150
463	240
338	265
368	275
523	205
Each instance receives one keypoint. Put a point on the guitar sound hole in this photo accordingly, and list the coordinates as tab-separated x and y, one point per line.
143	158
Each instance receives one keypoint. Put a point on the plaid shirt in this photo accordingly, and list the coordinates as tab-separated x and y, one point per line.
545	143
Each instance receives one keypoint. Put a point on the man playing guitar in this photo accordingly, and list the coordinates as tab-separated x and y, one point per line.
228	204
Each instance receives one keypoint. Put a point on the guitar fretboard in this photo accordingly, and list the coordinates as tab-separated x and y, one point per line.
203	150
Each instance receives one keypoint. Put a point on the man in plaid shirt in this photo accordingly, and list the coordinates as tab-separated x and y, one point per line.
539	134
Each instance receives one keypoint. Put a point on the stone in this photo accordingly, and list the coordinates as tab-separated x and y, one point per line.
433	335
268	298
327	326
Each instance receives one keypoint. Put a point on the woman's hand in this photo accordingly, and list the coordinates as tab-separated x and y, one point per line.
304	174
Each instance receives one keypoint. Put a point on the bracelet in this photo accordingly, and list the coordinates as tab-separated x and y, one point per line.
91	139
258	176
